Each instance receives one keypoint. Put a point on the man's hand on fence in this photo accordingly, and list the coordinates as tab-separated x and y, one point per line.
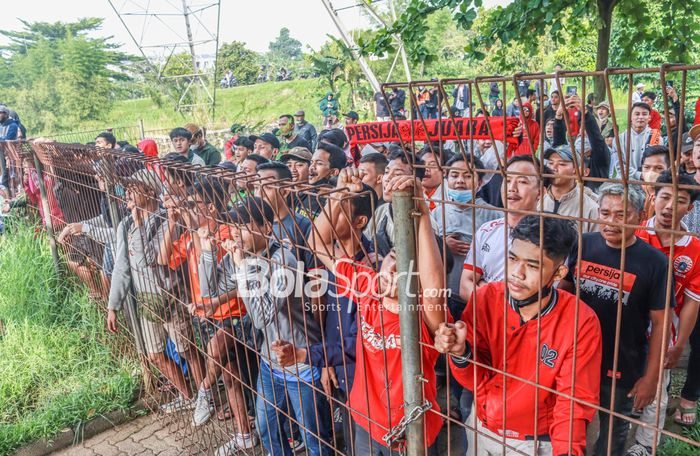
235	249
204	239
350	179
70	230
451	338
286	354
112	321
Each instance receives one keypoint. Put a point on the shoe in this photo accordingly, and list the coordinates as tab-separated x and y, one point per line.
296	445
238	442
180	403
203	408
638	450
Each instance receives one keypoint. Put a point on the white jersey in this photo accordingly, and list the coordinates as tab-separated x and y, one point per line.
487	254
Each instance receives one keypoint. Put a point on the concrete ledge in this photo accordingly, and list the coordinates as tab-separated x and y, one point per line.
86	430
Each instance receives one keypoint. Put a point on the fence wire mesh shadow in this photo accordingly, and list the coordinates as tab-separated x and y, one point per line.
266	309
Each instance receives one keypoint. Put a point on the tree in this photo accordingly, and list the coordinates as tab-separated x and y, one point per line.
653	24
240	60
58	76
285	47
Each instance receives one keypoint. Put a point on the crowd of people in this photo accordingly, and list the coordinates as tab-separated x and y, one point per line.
572	306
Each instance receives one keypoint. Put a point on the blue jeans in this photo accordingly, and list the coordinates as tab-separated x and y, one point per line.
274	394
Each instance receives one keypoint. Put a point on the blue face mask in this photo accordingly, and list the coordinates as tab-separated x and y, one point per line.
119	190
460	196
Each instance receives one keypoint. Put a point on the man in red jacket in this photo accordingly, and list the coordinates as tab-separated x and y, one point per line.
535	334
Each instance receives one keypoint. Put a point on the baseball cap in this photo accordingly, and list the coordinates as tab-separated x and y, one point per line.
147	178
228	165
299	113
603	104
4	108
270	139
564	151
250	209
640	85
694	132
297	153
352	114
368	149
686	143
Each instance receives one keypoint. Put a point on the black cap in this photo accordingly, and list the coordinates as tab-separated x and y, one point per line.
352	114
251	208
687	143
228	165
270	139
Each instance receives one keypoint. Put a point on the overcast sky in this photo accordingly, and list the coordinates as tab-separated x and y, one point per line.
255	22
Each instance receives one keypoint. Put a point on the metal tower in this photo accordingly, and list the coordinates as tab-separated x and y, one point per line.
179	40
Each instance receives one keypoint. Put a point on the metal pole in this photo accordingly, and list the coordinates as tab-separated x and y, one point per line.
47	214
409	318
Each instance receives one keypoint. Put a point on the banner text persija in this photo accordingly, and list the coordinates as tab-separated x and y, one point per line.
460	128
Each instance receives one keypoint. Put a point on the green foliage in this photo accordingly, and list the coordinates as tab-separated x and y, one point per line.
56	365
241	61
59	75
285	47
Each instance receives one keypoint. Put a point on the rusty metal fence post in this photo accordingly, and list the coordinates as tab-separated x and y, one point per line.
47	213
409	318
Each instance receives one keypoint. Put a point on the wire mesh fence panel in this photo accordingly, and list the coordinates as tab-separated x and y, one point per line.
496	280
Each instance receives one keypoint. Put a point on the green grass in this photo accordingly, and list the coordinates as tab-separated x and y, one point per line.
56	365
252	105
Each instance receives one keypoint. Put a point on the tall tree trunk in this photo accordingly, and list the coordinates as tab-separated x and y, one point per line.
605	13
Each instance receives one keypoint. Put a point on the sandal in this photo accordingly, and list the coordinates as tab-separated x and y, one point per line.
225	414
681	412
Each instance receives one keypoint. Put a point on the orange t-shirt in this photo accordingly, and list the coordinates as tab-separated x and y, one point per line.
183	250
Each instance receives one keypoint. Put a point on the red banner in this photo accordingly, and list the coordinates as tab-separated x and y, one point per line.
460	128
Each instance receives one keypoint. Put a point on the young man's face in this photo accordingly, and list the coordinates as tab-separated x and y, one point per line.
648	101
562	166
350	121
102	143
603	112
433	175
286	127
663	207
687	161
460	177
387	276
611	210
181	144
248	167
320	167
250	237
549	130
267	189
521	192
484	145
241	153
671	120
369	174
526	274
654	163
696	152
203	212
640	118
299	120
395	168
137	196
265	149
4	116
555	99
300	171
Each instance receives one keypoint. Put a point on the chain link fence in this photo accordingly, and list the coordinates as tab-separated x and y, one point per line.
502	285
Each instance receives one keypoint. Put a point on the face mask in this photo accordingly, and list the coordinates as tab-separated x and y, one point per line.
460	196
119	190
650	176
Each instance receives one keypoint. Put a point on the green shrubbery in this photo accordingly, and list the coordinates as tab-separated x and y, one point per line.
57	367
